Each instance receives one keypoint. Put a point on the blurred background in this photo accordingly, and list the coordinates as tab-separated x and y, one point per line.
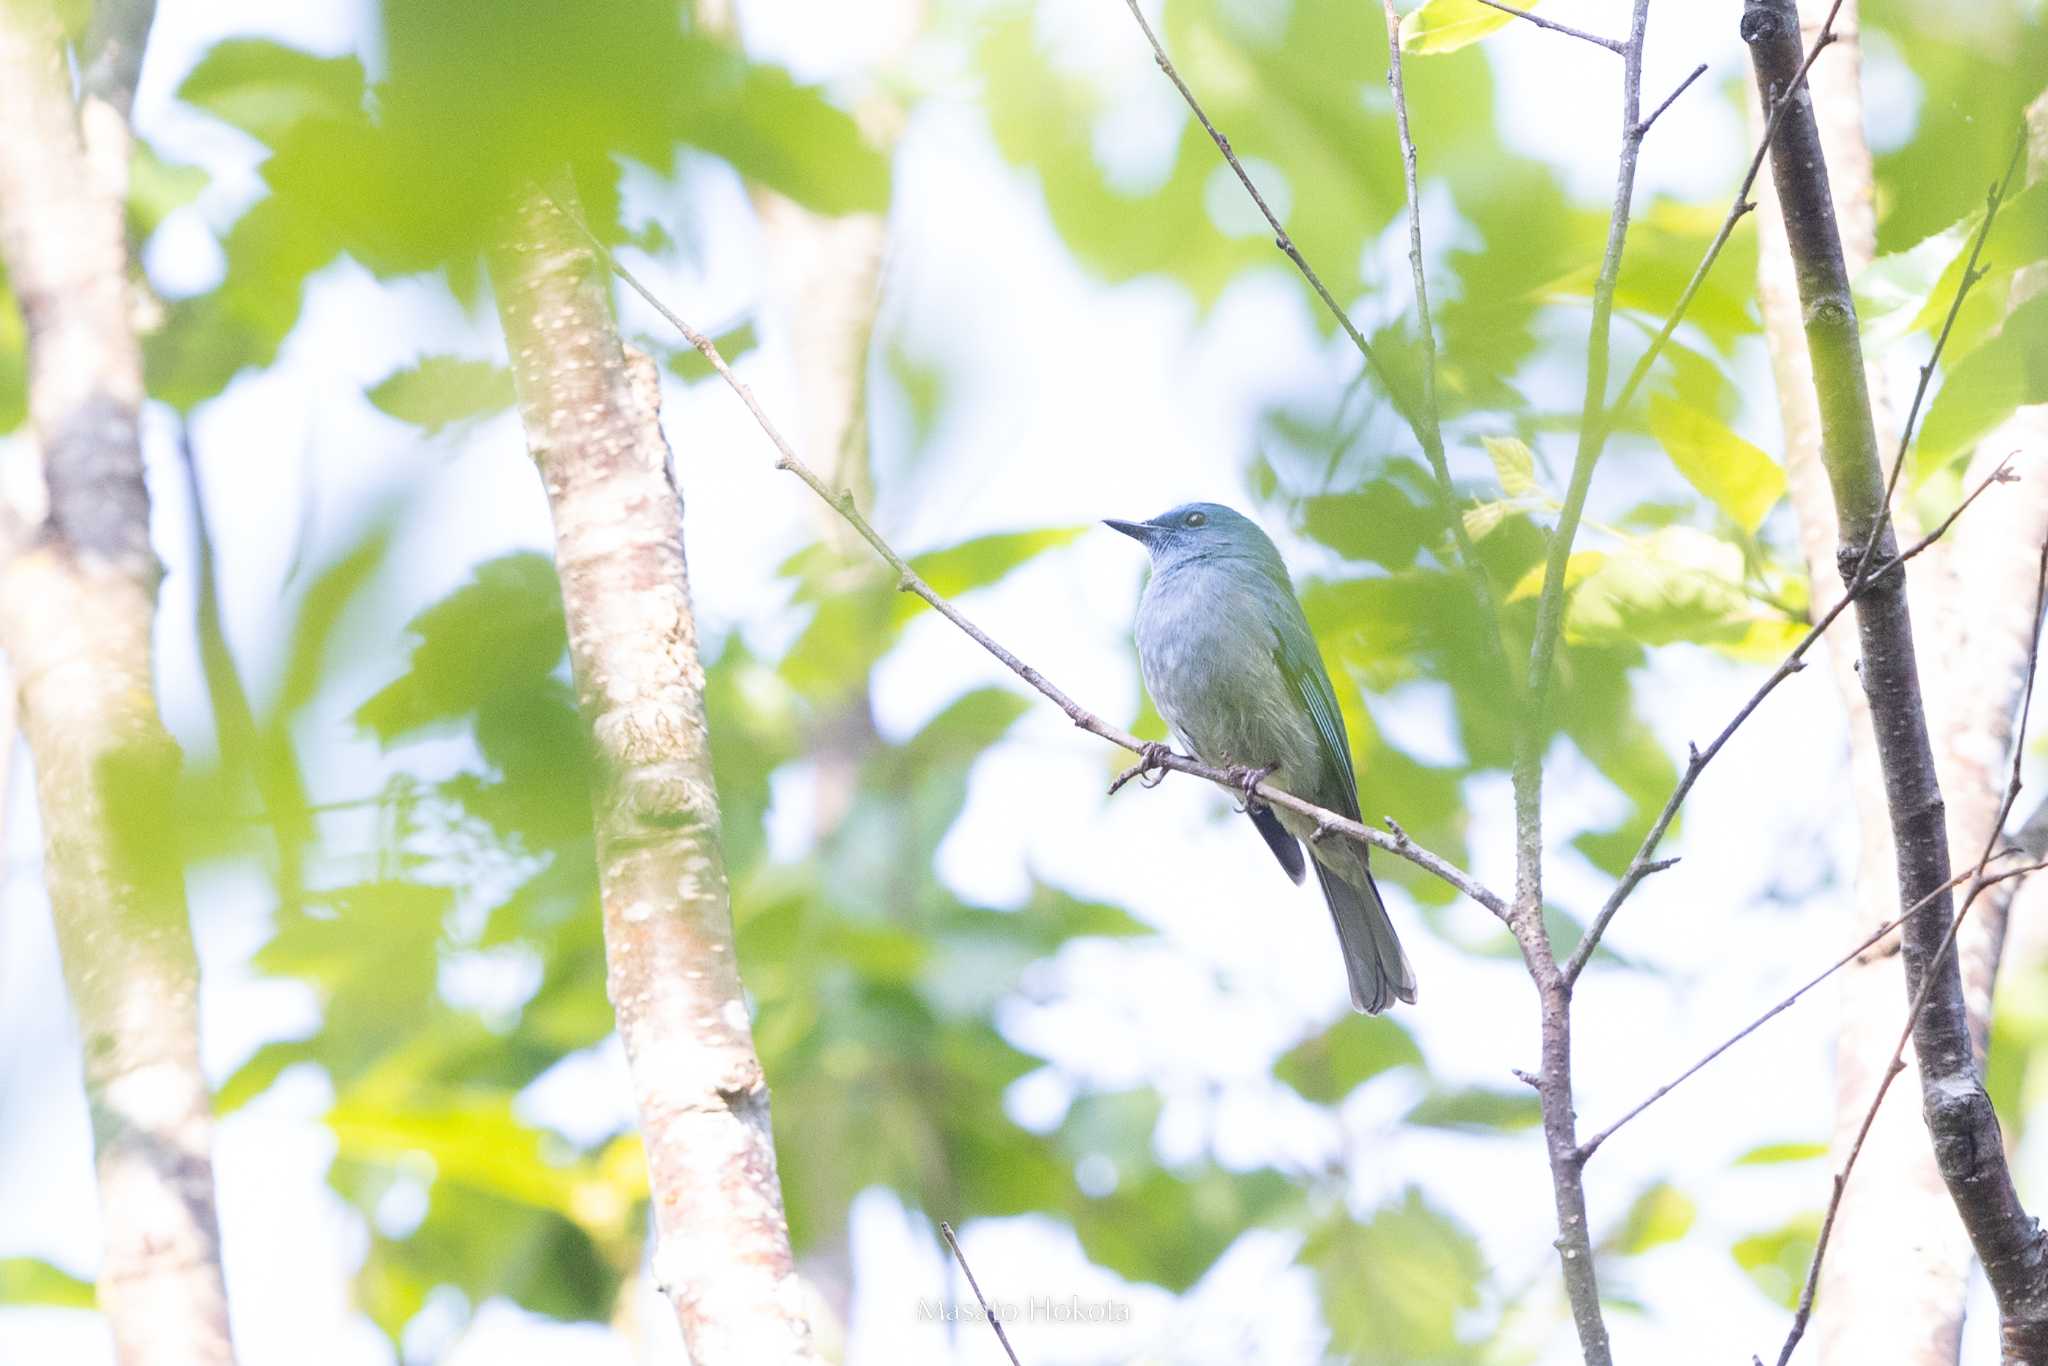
976	258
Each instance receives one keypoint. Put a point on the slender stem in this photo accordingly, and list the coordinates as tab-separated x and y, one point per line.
995	1322
1614	45
1428	424
1643	128
1642	865
1741	205
1554	989
1591	1145
1971	275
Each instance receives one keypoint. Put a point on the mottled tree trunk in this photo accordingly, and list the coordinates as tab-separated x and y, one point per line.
77	603
1897	1269
590	409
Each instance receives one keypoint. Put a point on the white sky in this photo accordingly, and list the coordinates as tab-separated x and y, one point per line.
1137	406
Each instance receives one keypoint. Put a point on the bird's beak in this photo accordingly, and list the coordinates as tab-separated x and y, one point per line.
1142	532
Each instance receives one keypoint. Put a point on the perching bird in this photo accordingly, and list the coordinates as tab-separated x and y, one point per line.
1230	661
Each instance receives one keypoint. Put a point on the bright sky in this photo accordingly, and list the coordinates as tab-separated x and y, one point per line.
1077	401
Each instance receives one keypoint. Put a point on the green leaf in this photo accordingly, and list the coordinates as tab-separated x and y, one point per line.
1395	1288
1447	25
1513	462
1767	1154
263	88
1484	517
1678	584
1984	387
1892	291
442	390
1328	1066
1661	1214
1776	1259
1476	1109
688	363
1740	479
31	1281
157	187
1577	567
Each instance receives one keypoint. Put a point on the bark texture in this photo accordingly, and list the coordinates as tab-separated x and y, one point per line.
591	411
1832	433
77	603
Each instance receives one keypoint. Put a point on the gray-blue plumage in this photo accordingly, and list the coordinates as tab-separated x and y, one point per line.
1233	667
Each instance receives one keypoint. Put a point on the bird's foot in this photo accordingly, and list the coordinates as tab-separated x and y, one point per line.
1249	779
1150	770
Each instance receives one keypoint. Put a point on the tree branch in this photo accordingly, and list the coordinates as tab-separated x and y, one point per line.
1929	983
1968	1148
1642	865
591	414
1426	424
909	581
77	608
1614	45
994	1320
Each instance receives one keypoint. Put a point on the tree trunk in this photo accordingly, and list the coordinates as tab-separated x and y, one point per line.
1897	1270
591	411
77	603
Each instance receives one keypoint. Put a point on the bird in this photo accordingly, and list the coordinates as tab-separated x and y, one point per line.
1235	671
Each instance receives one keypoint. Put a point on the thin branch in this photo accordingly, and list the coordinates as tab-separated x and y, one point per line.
1554	991
1741	206
1614	45
1641	866
1428	423
909	581
1425	424
946	1231
1591	1145
1971	275
1643	128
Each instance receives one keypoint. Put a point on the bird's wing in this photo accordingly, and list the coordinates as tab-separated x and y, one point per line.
1301	664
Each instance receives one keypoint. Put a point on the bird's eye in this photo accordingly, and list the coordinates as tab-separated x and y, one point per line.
1196	518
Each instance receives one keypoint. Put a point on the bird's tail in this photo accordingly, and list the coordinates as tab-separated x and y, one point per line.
1380	973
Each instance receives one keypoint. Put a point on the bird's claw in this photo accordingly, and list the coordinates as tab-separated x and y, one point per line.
1150	770
1249	779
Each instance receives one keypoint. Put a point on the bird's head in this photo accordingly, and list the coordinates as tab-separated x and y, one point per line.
1199	531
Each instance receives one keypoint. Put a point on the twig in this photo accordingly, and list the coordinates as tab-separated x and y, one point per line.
1641	865
1643	128
909	581
1591	1145
1614	45
1929	978
946	1231
1736	210
1554	991
1428	423
1971	275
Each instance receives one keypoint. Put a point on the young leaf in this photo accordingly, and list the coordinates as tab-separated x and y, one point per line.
1447	25
1484	517
442	390
1740	479
1985	386
1514	462
1577	569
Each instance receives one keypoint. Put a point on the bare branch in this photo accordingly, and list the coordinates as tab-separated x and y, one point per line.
1643	128
1968	1148
1614	45
1554	990
908	580
946	1231
1971	275
1428	423
1641	865
1591	1145
1736	209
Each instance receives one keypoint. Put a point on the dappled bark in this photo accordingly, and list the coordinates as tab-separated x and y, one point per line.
591	411
77	603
